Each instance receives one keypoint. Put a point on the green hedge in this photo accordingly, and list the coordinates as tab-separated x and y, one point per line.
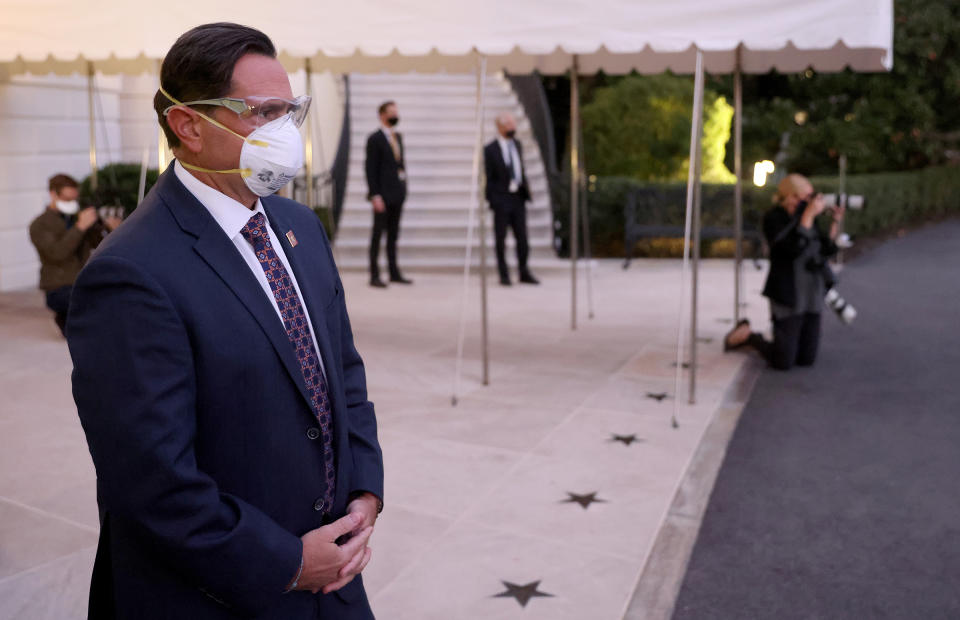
117	186
894	200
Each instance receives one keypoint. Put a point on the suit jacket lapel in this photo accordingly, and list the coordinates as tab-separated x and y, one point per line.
221	255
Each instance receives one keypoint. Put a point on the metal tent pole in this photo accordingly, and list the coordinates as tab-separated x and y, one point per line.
695	132
93	125
308	143
695	280
574	186
585	222
473	213
738	188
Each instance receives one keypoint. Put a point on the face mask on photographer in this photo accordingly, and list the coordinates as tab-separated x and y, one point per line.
511	133
67	207
270	157
393	120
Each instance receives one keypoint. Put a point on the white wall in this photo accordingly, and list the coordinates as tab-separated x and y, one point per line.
44	130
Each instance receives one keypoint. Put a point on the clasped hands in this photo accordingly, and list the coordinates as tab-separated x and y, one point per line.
328	566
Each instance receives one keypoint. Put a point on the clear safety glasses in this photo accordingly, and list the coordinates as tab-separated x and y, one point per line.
257	110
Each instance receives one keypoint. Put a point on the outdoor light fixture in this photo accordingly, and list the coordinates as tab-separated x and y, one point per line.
760	171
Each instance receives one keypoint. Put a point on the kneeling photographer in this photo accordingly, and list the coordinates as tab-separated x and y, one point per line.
799	275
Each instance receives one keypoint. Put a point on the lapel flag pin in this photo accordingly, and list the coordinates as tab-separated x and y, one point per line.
292	239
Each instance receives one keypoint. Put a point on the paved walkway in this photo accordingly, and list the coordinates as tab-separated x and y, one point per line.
477	495
839	496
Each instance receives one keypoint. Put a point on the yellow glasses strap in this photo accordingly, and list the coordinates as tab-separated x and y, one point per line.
215	123
244	172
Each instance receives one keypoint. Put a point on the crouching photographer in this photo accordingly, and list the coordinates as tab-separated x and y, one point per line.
799	276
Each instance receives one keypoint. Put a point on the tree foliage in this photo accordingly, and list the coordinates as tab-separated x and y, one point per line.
905	119
639	127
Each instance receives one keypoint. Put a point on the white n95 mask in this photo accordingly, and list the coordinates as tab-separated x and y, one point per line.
270	157
67	207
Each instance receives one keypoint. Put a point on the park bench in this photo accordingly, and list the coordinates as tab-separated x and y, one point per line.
649	205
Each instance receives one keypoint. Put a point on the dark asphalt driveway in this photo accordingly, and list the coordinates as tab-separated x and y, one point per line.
840	493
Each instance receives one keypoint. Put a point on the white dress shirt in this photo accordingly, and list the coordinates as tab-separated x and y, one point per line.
510	153
232	217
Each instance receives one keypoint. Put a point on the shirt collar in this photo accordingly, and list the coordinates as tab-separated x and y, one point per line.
231	215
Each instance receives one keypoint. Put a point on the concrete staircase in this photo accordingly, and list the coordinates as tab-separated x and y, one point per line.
437	120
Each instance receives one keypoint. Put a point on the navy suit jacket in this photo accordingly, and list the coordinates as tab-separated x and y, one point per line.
383	169
499	176
197	416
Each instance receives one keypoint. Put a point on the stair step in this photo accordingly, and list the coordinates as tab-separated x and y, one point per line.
453	255
453	233
409	265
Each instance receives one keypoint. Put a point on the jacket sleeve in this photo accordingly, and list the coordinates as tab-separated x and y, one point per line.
134	386
489	172
372	167
828	247
523	168
54	246
364	445
782	235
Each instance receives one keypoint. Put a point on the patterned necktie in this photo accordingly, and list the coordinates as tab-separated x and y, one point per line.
295	322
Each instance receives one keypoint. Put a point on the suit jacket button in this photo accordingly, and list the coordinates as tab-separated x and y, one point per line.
313	433
318	505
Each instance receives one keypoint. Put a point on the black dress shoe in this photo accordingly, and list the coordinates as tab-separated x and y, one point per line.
528	278
505	281
377	283
400	280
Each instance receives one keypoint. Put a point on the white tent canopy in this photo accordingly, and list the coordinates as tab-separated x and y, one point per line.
520	36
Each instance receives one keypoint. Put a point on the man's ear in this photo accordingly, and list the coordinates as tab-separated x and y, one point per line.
184	123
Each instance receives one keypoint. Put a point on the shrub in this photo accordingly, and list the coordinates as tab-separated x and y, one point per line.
117	186
894	200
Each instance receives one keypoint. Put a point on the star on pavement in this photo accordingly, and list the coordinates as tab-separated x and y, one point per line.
583	500
625	439
657	396
523	593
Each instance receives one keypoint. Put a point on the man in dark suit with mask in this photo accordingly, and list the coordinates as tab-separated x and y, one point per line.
508	193
387	189
224	402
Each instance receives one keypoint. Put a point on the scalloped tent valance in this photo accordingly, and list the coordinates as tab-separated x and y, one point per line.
615	36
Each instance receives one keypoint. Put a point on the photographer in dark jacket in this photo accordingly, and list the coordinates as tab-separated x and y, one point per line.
799	276
64	236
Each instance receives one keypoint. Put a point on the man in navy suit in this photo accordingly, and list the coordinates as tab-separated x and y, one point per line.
225	406
508	193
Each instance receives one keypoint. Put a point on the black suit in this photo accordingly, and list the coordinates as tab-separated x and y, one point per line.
386	177
509	208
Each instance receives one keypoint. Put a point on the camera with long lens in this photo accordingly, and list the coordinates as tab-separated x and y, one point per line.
845	312
854	202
